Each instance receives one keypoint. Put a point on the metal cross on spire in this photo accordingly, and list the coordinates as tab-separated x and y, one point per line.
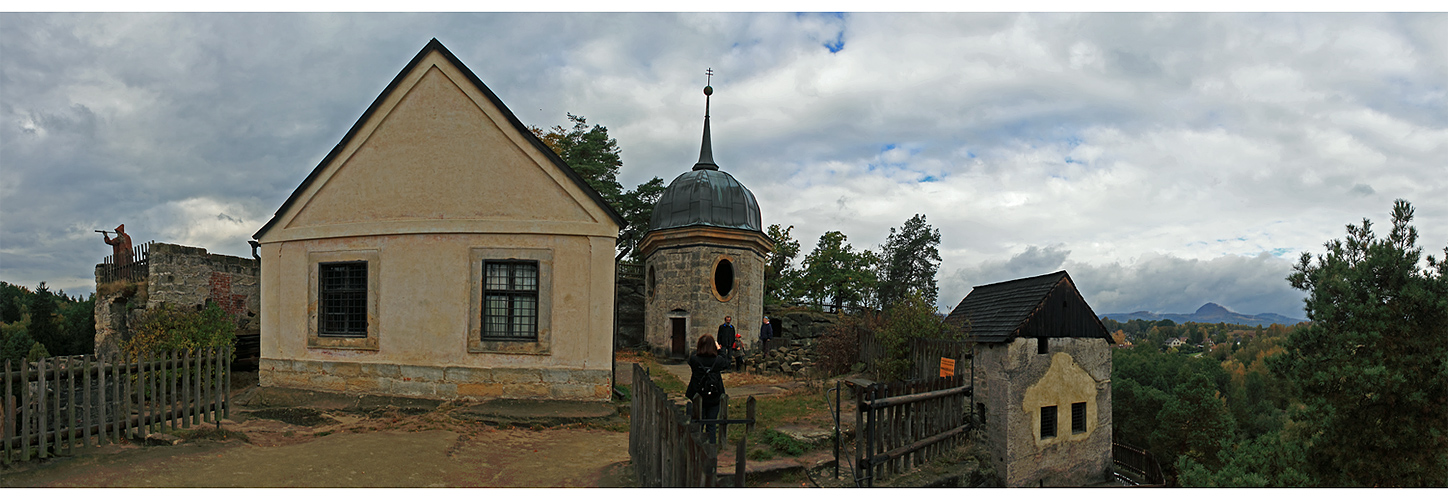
706	151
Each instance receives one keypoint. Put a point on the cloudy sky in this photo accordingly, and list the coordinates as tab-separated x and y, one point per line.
1165	160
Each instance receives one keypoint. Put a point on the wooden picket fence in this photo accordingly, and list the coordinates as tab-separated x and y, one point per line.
901	425
56	406
666	441
135	269
928	354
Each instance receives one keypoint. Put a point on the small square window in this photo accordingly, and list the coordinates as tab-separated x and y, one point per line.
1048	422
1042	346
1078	418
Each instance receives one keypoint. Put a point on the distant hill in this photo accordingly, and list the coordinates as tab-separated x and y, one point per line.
1209	313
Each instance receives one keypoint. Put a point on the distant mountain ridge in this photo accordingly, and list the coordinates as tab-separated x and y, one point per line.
1209	313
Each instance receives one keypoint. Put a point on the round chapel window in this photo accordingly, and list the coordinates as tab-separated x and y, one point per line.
723	278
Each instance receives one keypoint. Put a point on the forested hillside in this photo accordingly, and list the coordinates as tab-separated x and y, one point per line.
40	323
1354	398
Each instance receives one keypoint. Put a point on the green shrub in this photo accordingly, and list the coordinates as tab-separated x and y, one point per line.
169	328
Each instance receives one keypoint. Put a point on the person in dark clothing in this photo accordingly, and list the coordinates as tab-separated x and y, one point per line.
728	339
766	332
706	355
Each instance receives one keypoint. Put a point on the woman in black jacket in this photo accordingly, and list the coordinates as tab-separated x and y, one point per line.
706	356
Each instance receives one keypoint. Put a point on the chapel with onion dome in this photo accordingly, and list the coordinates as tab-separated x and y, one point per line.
704	256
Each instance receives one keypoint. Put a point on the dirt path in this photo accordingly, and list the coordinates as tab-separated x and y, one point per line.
434	458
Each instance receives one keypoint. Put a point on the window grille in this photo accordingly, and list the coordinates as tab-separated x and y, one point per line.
1048	422
1078	418
343	297
510	300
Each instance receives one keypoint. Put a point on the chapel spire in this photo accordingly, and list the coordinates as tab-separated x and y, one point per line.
706	150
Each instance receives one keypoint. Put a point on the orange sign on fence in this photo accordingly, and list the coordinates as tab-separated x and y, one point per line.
947	367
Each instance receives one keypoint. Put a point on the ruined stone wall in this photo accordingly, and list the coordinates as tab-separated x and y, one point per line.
629	311
1014	382
181	276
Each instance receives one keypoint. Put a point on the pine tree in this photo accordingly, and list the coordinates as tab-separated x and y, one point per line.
1372	368
44	327
909	261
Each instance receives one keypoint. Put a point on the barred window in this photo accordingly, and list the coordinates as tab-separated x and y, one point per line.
1048	422
1078	418
343	299
510	300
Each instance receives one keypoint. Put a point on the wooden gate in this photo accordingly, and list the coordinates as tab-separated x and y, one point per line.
900	425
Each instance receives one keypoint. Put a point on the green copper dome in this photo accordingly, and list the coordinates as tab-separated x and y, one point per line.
706	197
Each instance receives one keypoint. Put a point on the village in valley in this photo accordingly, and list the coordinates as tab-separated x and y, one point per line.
455	298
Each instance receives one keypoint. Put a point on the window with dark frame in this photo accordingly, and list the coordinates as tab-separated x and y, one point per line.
342	296
1078	418
510	300
1048	422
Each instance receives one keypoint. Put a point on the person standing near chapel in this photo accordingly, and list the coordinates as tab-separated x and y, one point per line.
728	339
766	332
704	364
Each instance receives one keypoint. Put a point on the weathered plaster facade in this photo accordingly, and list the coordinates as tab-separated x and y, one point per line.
1013	382
437	178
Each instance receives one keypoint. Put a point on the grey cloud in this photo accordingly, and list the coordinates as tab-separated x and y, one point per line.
1154	282
1361	190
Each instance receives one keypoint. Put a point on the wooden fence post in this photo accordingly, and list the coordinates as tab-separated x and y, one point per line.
226	385
86	399
7	416
217	376
44	424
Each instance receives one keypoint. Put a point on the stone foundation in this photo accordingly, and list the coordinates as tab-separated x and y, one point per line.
436	382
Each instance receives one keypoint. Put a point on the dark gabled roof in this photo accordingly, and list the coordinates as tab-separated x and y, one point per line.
512	119
1000	312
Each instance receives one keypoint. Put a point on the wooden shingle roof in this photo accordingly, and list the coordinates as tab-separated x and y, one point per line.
1039	306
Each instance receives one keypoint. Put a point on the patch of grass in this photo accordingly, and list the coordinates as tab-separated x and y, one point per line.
783	443
760	454
624	394
289	433
320	434
788	408
665	380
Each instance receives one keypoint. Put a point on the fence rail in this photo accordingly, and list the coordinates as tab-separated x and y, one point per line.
58	405
1138	461
900	425
137	268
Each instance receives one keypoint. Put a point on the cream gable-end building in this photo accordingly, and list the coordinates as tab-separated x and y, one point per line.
440	250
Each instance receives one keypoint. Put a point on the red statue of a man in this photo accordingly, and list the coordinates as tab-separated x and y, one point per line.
120	246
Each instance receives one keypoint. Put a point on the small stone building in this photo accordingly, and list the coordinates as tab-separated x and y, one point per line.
1043	380
179	276
440	250
704	258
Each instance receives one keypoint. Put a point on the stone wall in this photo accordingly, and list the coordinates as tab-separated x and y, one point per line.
797	323
181	276
683	287
628	313
1013	381
437	382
